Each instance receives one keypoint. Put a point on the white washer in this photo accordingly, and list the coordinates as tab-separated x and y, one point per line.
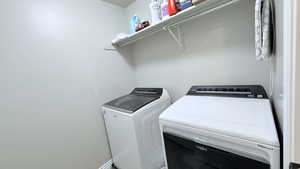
133	129
221	127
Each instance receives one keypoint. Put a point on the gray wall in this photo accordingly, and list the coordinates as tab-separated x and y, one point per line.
219	49
54	77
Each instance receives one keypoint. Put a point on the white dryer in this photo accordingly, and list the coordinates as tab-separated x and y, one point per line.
133	129
221	127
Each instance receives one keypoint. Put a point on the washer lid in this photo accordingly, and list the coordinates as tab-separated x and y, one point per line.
137	99
245	118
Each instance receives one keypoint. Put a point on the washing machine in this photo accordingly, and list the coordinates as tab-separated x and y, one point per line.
221	127
133	129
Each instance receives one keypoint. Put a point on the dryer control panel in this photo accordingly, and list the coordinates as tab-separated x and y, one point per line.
241	91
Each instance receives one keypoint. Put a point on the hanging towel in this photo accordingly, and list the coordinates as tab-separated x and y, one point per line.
263	29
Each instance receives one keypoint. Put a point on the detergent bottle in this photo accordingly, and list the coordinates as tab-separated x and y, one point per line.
155	11
172	7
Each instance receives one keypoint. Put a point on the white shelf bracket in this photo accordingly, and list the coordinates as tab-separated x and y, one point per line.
176	35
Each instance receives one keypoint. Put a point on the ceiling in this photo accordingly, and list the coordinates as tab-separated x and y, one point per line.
122	3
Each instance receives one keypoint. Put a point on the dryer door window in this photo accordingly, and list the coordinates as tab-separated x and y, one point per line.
187	154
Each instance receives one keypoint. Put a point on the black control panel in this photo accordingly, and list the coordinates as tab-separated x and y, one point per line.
137	99
148	91
243	91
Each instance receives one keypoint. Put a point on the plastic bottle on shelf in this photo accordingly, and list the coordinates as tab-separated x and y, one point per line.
164	10
172	7
178	5
184	4
134	22
155	11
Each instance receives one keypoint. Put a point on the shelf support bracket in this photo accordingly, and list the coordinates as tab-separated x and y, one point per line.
176	34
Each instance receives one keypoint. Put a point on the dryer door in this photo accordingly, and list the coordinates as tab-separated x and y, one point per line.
182	153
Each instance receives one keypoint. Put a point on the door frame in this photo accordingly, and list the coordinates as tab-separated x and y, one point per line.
290	11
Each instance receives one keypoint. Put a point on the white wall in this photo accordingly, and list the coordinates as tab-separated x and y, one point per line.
219	49
140	8
55	76
296	116
277	62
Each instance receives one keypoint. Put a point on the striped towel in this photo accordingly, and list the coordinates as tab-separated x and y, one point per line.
263	29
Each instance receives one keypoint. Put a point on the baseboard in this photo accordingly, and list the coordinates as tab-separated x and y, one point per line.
107	165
